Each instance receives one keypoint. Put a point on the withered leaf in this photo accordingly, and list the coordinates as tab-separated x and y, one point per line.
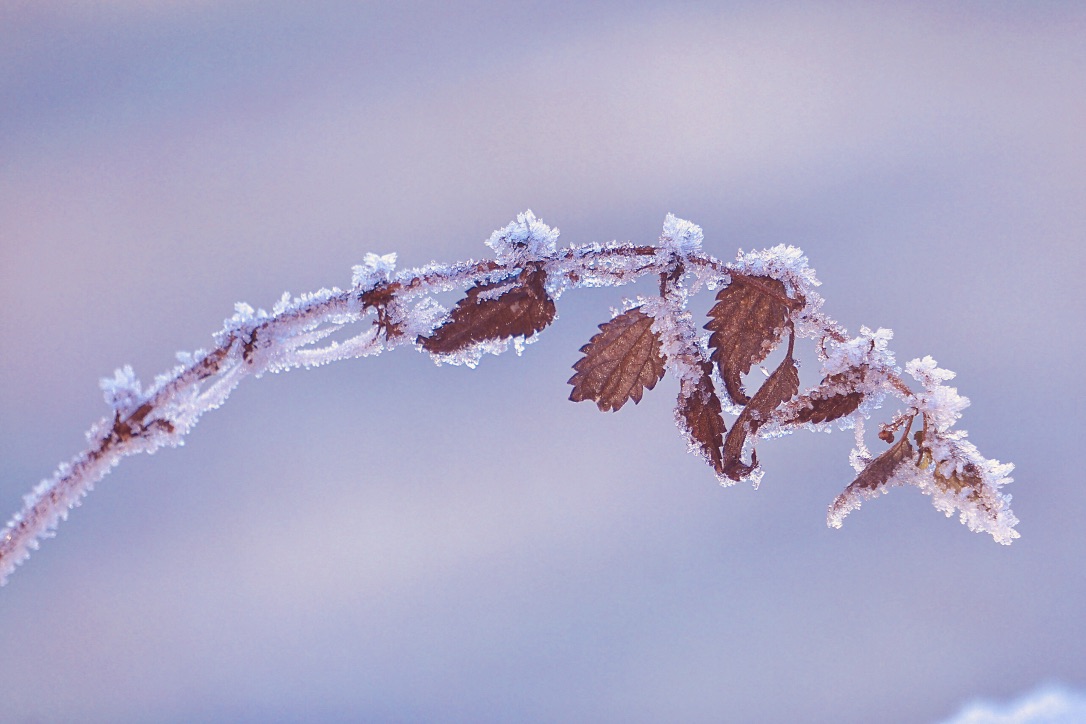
781	386
827	402
968	477
619	362
983	497
966	486
877	473
747	322
879	470
524	309
702	420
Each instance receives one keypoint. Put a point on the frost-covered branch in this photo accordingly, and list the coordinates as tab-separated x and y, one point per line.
763	296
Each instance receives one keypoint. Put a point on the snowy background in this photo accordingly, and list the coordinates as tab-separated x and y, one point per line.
387	538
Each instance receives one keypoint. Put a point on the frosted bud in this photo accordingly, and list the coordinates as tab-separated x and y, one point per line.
123	391
374	269
927	372
681	236
525	235
942	405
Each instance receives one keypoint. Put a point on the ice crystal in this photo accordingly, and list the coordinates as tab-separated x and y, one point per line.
123	391
525	238
681	236
374	269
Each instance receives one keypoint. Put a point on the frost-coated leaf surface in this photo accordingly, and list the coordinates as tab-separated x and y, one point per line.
699	415
487	313
746	321
967	478
827	401
879	470
982	507
875	476
781	386
619	362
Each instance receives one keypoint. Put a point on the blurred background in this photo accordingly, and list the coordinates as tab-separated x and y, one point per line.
388	539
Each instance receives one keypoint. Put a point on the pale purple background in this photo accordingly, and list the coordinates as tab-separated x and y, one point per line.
386	539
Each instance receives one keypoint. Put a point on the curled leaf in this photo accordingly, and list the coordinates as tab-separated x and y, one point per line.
969	477
619	362
781	386
968	484
698	412
746	324
487	313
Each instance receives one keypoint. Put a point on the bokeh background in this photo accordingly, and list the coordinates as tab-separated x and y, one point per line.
388	539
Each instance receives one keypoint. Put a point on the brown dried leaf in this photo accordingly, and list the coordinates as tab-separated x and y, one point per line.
619	362
982	497
969	477
700	414
877	474
879	470
523	310
747	322
781	386
826	402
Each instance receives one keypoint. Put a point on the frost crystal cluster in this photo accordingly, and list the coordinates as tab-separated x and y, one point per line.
764	301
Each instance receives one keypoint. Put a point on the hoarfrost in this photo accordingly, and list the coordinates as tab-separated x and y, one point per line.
683	348
375	269
860	455
525	239
423	317
282	305
942	405
784	262
870	348
123	391
471	355
681	236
